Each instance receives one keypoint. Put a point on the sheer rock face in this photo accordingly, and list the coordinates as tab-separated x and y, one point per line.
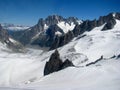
66	64
62	40
55	64
54	19
48	39
4	36
109	25
26	37
76	30
117	15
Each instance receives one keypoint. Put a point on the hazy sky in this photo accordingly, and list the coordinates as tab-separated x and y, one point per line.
29	11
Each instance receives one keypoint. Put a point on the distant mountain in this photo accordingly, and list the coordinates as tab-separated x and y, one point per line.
13	27
46	30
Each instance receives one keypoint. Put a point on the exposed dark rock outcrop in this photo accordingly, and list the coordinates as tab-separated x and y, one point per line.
109	25
108	20
49	38
53	19
66	64
55	64
117	15
56	43
76	30
95	61
4	36
72	19
62	40
118	56
113	56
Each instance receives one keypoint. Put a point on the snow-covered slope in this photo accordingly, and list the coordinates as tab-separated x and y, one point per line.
16	68
97	43
24	71
104	77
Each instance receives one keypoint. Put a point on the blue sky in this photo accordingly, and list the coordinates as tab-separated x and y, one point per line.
27	12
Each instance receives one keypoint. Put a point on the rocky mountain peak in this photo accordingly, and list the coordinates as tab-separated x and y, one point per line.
41	21
108	18
55	63
72	19
3	34
53	19
50	20
117	15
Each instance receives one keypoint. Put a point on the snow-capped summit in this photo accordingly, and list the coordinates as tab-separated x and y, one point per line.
39	32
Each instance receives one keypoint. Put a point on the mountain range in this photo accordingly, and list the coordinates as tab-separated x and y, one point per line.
56	31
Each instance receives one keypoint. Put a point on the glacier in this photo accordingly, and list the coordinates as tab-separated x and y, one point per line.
24	71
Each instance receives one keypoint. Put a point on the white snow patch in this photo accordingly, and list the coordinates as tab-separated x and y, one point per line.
12	40
79	22
36	36
58	33
114	14
45	27
65	26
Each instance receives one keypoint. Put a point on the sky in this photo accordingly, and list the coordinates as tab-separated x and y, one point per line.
28	12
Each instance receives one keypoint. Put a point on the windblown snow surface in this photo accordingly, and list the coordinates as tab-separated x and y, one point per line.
24	71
